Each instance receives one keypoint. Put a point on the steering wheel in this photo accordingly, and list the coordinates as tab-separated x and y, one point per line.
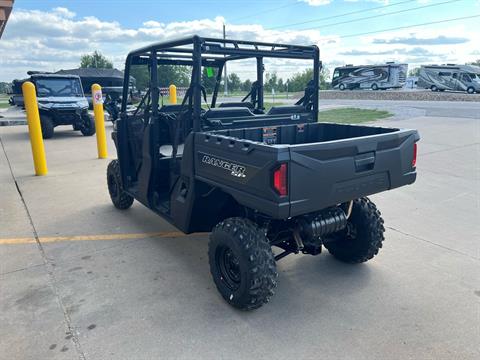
64	89
44	89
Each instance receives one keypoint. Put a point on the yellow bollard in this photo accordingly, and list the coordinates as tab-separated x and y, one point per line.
34	128
173	94
99	121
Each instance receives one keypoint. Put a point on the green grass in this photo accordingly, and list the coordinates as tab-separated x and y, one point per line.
352	115
268	105
267	95
4	101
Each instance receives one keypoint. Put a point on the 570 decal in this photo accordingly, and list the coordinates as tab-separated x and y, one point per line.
235	169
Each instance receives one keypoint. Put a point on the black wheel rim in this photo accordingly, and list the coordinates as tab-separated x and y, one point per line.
228	267
112	185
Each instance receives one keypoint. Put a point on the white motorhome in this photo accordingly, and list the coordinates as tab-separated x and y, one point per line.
450	77
375	77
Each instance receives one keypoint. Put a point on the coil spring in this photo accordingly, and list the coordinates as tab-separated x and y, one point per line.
324	223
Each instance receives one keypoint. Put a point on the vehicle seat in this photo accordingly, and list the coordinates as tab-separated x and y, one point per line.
246	104
167	150
307	99
226	112
170	108
286	109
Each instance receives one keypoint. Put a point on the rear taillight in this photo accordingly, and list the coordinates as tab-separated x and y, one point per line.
280	180
414	161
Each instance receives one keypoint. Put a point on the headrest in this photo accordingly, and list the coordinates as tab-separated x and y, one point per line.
218	113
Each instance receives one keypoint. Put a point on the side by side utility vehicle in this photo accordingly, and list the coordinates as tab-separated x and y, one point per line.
260	179
61	101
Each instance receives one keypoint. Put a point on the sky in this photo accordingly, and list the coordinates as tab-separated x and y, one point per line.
50	35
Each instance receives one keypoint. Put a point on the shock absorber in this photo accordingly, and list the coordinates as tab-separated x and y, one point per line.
312	227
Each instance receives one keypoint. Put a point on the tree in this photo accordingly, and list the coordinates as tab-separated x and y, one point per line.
234	82
324	75
299	81
414	72
141	75
177	75
5	87
247	85
476	62
271	82
280	86
95	60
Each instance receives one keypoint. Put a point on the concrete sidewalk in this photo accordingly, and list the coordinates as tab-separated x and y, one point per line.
82	280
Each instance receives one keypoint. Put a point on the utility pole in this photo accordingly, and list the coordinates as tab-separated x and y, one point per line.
225	91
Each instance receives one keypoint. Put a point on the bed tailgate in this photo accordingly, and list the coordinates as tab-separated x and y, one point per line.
328	173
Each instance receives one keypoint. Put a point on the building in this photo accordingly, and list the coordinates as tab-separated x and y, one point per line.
106	78
5	11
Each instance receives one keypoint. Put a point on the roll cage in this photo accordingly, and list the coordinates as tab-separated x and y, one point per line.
198	51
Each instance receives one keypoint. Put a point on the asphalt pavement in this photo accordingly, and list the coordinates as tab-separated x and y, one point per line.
82	280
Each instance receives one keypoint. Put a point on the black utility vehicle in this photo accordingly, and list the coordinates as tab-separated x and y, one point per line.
61	101
258	179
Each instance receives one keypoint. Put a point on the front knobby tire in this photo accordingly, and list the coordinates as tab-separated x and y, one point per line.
362	238
242	263
47	125
119	197
88	125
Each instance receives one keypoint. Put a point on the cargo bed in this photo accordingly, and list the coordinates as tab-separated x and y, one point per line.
327	163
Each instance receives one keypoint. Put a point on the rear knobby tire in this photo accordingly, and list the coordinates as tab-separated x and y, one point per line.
46	122
88	125
242	263
361	240
119	197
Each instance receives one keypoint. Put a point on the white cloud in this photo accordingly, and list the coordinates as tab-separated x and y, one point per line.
152	23
421	46
385	2
316	2
64	12
52	40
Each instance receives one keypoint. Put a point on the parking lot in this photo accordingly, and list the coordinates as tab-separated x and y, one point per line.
80	279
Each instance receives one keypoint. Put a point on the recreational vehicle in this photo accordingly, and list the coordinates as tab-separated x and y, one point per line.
375	77
450	77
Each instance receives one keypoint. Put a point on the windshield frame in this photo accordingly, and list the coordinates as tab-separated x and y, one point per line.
49	83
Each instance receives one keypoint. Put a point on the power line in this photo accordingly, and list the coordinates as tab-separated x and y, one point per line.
267	11
341	15
409	26
382	15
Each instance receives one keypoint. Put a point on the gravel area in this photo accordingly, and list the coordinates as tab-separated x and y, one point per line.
413	95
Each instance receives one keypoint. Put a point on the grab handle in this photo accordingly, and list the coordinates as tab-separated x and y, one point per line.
364	162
